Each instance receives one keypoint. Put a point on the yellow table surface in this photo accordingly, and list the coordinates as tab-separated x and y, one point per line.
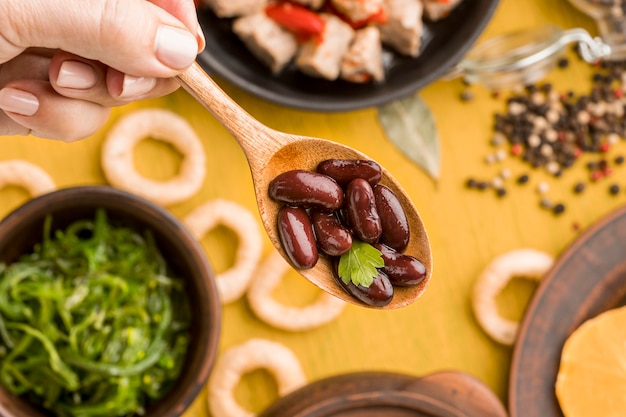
467	228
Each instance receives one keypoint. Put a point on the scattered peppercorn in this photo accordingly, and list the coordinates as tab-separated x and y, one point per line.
482	185
552	130
498	139
563	63
558	208
467	95
579	187
523	179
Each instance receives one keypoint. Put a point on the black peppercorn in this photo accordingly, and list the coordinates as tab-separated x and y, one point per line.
558	208
614	189
522	179
579	187
482	185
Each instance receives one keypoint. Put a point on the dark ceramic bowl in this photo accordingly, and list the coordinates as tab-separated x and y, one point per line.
22	228
444	43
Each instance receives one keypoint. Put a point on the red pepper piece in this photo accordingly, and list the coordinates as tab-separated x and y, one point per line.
302	22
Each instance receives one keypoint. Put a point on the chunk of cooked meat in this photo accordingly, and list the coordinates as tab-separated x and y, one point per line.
270	43
323	59
358	10
363	61
403	29
436	9
235	8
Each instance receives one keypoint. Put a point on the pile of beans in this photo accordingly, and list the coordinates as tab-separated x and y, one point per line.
326	210
551	130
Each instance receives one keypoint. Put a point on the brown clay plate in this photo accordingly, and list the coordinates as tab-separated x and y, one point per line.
586	280
376	394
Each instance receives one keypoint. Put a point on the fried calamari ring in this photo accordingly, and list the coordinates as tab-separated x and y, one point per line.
233	282
26	175
163	125
326	307
241	359
522	263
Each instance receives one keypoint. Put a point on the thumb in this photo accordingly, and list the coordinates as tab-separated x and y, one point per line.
133	36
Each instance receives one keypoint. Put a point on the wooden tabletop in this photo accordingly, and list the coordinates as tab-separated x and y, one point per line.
467	228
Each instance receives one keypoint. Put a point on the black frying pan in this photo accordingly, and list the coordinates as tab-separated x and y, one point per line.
444	44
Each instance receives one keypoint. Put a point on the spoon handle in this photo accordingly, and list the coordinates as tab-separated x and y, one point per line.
258	141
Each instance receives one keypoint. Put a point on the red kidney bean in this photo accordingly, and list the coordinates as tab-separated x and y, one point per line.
379	294
395	226
307	188
333	238
361	209
297	237
345	170
402	270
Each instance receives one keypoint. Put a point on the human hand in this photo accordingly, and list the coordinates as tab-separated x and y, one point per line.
65	63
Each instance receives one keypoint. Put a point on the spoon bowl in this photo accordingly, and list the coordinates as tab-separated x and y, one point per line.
270	153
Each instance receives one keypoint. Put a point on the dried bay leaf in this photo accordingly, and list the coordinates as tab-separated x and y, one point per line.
410	125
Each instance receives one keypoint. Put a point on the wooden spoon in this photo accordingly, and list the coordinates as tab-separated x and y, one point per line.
270	152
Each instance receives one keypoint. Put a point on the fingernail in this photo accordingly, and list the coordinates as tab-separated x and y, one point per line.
136	86
201	38
75	74
18	101
175	47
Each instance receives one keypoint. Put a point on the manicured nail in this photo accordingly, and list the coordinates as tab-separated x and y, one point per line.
175	47
201	38
18	101
136	86
75	74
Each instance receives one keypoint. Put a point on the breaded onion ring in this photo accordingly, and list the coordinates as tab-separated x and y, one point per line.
26	175
326	307
164	125
239	360
522	263
233	282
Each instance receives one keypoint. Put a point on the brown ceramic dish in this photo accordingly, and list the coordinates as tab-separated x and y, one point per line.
21	229
587	279
375	394
444	43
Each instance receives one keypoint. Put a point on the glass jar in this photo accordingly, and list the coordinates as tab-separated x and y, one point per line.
523	57
609	16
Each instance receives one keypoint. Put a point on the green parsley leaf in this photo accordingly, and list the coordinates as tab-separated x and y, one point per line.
359	264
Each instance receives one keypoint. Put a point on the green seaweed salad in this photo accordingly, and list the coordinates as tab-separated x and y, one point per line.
91	322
